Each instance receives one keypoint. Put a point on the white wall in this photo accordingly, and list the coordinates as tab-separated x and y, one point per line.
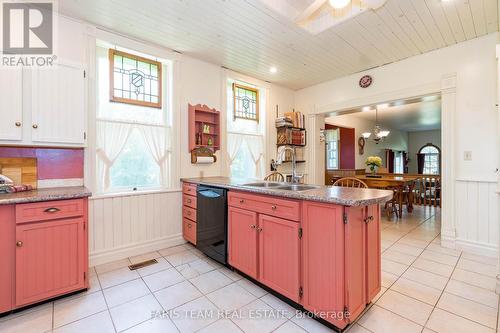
397	140
417	140
475	119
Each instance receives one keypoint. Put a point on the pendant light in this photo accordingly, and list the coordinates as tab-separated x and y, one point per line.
378	134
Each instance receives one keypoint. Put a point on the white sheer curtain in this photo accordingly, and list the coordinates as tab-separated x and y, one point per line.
111	138
158	141
234	142
256	147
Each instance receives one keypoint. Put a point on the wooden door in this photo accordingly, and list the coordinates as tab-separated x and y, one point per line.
355	275
11	104
373	254
242	240
58	101
279	255
50	259
323	260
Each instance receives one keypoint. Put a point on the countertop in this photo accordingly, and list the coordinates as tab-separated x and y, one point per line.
45	194
329	194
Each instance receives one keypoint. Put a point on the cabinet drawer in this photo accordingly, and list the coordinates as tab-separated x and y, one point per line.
189	231
189	201
189	213
49	210
287	209
188	188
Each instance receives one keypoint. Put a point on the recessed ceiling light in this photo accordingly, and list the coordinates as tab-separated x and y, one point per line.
339	4
383	106
273	69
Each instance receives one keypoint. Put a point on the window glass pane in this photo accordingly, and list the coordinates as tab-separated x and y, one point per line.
245	103
243	165
135	166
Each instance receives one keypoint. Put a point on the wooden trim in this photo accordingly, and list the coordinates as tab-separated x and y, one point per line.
112	98
256	91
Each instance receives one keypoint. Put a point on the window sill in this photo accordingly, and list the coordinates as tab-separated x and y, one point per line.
133	193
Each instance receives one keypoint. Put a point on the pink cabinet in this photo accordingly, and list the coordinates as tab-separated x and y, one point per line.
279	255
242	240
7	255
323	260
49	259
373	251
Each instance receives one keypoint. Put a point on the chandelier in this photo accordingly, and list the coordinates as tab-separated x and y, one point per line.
378	134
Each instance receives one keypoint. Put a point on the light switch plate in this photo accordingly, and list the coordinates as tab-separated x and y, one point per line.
467	155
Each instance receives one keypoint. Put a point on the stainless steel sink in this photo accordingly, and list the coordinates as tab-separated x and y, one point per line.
264	184
296	187
282	186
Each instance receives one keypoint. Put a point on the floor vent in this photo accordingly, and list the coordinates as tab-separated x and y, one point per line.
143	264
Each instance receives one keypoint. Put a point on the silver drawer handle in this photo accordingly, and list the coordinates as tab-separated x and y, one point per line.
242	201
52	210
18	124
253	226
188	200
259	229
273	207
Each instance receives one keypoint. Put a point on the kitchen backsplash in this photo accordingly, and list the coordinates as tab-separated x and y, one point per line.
56	166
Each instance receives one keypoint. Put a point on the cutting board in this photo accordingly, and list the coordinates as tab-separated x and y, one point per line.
22	170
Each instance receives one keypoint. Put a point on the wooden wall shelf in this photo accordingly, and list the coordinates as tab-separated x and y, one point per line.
204	127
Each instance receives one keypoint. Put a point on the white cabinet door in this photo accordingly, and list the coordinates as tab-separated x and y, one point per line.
58	104
11	104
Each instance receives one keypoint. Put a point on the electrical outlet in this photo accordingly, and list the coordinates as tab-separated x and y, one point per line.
467	155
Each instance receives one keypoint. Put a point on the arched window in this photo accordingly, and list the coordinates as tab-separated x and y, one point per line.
429	160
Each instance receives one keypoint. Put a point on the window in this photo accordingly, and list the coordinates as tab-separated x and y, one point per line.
430	155
246	102
398	162
332	149
245	135
132	139
134	80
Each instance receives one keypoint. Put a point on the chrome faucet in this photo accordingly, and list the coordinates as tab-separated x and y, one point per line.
281	157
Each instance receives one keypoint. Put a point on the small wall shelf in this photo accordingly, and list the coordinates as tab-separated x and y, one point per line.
204	127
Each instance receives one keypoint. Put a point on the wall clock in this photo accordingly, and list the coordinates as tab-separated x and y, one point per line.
365	81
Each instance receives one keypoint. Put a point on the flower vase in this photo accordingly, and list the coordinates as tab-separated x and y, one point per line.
373	169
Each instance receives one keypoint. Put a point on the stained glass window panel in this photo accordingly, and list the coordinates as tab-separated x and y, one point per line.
135	80
246	102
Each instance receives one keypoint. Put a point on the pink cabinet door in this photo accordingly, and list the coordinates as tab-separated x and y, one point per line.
7	248
373	268
50	259
355	275
242	240
279	255
323	260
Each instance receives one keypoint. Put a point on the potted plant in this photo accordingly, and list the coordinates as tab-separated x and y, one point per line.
373	162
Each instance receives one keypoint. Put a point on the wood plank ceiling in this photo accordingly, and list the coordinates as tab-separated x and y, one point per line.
248	37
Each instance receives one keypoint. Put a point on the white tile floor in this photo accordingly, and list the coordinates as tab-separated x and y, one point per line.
426	288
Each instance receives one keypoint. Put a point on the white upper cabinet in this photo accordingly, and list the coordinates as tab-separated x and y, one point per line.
11	104
58	105
47	106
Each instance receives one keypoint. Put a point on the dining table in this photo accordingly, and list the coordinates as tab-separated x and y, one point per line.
397	183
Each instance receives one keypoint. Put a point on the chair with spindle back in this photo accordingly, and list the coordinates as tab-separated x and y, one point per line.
350	182
275	177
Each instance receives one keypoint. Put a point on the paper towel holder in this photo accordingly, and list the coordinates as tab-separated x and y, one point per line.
202	152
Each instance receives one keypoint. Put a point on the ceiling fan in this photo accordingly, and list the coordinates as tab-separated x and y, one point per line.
342	8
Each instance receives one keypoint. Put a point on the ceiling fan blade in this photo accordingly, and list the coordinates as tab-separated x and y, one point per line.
309	11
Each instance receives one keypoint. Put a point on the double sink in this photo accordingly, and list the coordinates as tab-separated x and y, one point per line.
282	186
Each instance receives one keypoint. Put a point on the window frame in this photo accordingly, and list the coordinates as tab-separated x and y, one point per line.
257	104
337	158
431	154
113	98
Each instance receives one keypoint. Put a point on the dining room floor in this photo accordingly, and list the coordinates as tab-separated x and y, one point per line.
425	288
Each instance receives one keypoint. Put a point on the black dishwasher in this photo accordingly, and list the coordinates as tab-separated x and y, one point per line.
211	222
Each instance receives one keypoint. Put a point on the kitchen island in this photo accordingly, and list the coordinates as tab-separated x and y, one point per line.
317	246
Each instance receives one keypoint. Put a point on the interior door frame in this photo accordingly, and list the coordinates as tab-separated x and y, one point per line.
446	87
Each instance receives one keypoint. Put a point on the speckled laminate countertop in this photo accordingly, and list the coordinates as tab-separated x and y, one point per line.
45	194
330	194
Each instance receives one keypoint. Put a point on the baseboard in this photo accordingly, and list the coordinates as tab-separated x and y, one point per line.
484	249
130	250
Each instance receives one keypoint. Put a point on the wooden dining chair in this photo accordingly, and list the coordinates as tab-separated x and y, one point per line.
350	182
275	177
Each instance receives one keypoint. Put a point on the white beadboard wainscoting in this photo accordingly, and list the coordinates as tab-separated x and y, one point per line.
477	214
126	225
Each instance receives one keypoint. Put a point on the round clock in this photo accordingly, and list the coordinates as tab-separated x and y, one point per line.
365	81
